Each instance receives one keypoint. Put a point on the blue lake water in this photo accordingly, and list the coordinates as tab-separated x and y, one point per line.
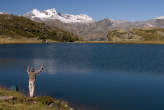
93	76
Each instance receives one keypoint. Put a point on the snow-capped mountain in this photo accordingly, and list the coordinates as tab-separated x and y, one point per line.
161	17
3	13
52	14
84	26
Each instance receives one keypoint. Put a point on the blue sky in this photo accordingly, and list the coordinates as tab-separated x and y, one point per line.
132	10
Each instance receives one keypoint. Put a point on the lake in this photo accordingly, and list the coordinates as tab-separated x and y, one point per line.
91	76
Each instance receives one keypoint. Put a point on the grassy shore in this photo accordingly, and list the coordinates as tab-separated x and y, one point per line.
23	41
21	102
35	41
124	42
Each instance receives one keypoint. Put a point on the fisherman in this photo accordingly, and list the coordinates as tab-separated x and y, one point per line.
32	77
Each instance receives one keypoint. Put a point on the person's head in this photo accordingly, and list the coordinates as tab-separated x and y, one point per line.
32	69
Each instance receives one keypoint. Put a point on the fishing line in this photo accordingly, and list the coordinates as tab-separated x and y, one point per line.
37	67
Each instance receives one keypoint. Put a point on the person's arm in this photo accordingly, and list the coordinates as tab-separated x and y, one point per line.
41	68
28	67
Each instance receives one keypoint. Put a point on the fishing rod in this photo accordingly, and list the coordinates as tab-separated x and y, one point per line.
37	67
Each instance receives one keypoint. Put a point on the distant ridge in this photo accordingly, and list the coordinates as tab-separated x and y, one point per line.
161	17
87	28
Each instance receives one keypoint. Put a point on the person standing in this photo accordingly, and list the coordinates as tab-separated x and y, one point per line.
32	77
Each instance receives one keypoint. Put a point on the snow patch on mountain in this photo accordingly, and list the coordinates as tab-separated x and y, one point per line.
118	21
3	13
149	25
52	14
161	17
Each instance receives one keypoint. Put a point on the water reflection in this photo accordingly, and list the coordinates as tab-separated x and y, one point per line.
55	66
49	65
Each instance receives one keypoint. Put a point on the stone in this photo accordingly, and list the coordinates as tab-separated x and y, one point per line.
6	97
53	105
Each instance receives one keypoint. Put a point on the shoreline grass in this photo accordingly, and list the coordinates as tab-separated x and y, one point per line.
23	41
123	42
35	41
21	102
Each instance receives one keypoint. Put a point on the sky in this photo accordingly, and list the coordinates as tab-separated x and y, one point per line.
131	10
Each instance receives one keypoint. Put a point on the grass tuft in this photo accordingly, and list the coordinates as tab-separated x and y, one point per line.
21	102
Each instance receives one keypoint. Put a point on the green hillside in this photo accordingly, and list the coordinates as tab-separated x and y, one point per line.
16	27
137	34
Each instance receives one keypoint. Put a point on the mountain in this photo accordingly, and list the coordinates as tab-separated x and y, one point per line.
85	27
52	14
82	25
161	17
17	27
3	13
